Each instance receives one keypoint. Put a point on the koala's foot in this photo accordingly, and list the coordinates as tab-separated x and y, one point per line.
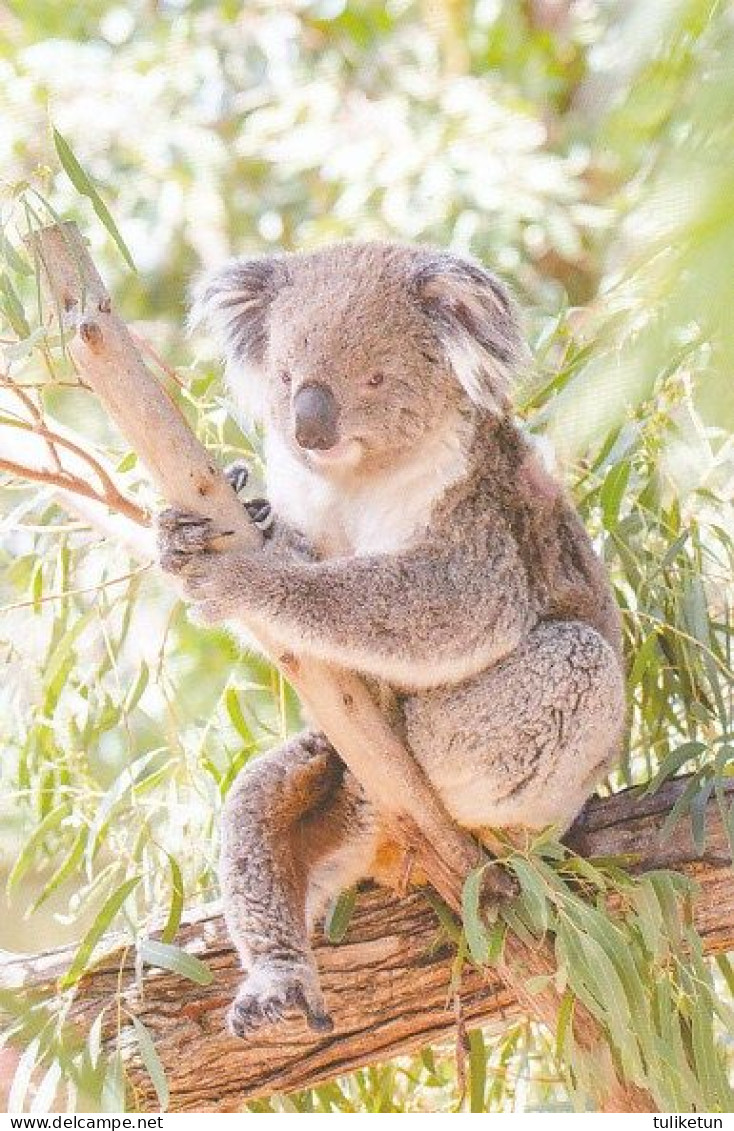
273	989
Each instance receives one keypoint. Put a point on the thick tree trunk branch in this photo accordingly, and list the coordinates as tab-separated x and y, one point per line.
386	984
338	701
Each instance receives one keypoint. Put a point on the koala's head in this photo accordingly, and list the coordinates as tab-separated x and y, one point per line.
356	352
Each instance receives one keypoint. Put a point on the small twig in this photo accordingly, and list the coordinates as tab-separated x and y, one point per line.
35	413
76	592
68	482
46	433
462	1048
111	495
6	383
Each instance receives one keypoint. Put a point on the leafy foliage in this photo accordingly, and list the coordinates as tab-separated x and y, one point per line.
626	950
583	150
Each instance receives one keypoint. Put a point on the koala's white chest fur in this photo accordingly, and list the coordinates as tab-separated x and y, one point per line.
381	515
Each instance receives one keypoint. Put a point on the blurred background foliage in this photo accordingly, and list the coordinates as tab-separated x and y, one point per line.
583	148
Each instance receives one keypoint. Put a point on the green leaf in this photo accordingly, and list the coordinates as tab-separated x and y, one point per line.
37	587
477	1070
724	964
497	937
22	1076
449	923
94	1039
644	658
13	308
46	1089
681	806
67	868
534	893
517	925
538	983
83	185
647	906
113	1087
17	264
563	1025
103	920
175	910
612	492
51	821
176	960
136	692
62	654
699	804
24	347
234	710
339	915
474	928
127	462
673	762
152	1063
127	779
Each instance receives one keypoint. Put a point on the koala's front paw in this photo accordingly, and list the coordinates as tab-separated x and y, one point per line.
211	578
272	990
182	536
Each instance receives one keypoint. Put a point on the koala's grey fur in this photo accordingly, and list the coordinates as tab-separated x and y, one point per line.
428	549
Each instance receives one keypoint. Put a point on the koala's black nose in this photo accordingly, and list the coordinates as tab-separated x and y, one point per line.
315	413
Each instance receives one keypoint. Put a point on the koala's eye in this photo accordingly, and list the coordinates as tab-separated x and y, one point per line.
375	380
285	377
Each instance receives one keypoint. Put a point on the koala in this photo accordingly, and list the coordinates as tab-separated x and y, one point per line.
415	536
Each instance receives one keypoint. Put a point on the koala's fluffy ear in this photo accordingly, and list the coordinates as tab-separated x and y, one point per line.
234	302
477	324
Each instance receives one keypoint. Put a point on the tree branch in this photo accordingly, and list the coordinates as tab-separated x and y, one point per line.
387	984
65	481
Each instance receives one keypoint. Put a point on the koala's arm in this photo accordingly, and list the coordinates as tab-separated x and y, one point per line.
435	614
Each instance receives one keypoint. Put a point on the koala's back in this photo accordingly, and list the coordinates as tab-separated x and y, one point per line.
566	579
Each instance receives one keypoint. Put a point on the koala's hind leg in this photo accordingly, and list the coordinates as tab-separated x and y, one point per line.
523	744
296	831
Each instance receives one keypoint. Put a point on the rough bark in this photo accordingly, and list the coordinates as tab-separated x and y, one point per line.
338	701
387	984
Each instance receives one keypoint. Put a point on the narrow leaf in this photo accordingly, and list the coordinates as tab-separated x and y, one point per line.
109	910
83	185
339	915
176	960
152	1063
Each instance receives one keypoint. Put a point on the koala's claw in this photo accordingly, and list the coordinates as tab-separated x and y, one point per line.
237	475
317	1019
269	993
260	512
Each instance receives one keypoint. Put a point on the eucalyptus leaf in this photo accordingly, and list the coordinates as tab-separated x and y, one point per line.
176	960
